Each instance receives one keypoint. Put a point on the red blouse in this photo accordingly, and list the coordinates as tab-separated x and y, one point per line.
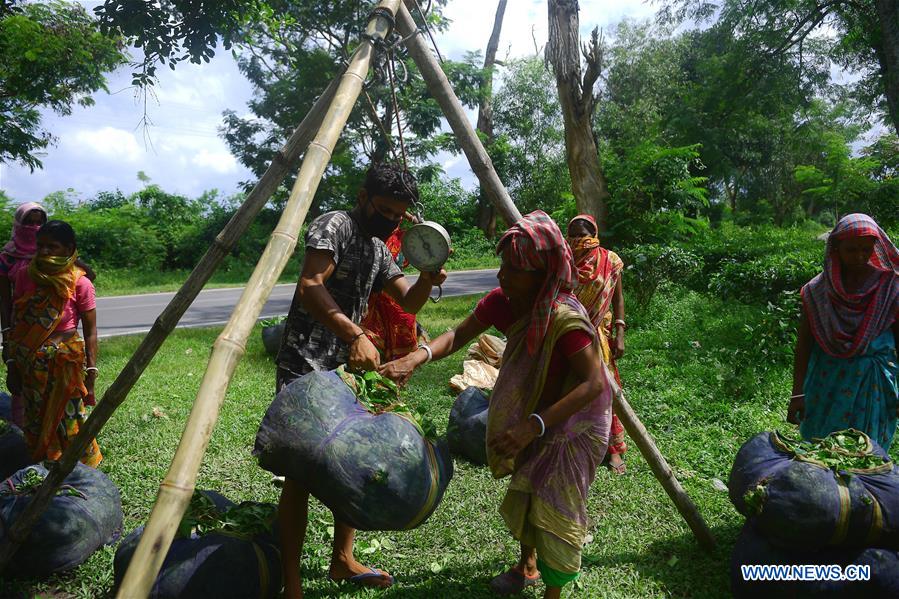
495	310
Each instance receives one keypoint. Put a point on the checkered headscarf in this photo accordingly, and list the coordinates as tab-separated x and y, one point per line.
536	243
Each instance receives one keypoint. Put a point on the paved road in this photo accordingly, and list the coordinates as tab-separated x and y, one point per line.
132	314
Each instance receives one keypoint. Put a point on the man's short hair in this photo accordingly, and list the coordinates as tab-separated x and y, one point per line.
390	180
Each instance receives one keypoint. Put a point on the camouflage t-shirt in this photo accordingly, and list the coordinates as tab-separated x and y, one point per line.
361	264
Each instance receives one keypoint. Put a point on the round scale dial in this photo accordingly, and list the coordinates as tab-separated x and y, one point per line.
426	246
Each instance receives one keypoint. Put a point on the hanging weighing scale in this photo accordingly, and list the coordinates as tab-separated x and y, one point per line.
427	246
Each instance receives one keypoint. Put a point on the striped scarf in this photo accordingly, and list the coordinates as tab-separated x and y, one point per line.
845	323
536	243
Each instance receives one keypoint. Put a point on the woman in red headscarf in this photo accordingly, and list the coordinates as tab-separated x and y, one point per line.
599	290
550	410
846	374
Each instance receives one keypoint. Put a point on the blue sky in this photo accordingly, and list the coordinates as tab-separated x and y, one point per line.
103	147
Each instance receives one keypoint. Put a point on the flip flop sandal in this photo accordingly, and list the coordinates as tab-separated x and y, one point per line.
361	579
620	469
512	582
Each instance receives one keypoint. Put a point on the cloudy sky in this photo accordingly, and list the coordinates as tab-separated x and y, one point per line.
104	146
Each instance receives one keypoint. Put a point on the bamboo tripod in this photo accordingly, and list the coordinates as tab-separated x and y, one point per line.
325	121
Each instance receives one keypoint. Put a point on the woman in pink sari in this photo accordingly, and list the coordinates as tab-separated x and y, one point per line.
550	411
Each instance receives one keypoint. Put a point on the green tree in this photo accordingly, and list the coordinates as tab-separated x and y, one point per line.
289	66
170	31
52	56
862	36
529	151
843	183
653	182
290	51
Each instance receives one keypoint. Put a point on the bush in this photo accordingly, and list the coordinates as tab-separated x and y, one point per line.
447	203
774	337
471	249
756	265
648	267
764	279
116	238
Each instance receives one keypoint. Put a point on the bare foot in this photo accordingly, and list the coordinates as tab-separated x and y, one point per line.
357	573
617	464
529	569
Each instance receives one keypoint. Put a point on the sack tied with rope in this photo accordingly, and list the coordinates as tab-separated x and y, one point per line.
85	514
842	490
466	432
374	471
221	550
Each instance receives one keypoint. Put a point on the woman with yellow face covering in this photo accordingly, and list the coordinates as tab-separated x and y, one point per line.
49	364
599	290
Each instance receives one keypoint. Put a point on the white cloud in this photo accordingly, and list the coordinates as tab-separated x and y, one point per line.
220	161
109	142
525	23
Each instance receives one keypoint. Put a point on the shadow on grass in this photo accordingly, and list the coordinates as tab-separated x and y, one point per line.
679	564
448	583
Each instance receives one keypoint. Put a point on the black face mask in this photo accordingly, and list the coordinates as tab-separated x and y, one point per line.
377	224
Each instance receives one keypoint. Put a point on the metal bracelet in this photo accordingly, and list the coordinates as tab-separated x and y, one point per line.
542	424
427	348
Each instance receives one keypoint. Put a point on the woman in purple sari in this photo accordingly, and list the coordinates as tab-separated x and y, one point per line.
550	411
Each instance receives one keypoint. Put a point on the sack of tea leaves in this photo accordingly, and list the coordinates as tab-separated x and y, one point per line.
752	548
13	450
85	515
377	466
5	406
840	491
466	432
221	550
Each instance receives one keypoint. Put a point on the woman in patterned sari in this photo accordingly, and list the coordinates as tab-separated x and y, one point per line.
15	254
599	290
549	415
48	363
846	373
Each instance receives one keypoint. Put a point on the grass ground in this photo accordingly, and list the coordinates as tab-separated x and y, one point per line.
698	402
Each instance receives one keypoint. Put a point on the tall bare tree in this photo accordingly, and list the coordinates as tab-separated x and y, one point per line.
486	213
575	82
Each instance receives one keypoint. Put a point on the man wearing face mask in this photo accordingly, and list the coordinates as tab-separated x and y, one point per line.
345	260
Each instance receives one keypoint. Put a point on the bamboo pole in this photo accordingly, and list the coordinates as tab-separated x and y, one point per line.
440	88
117	392
662	472
176	490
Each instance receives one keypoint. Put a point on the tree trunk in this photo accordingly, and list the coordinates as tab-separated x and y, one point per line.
486	213
563	52
888	55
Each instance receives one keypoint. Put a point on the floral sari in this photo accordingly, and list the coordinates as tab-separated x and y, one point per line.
51	371
599	271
